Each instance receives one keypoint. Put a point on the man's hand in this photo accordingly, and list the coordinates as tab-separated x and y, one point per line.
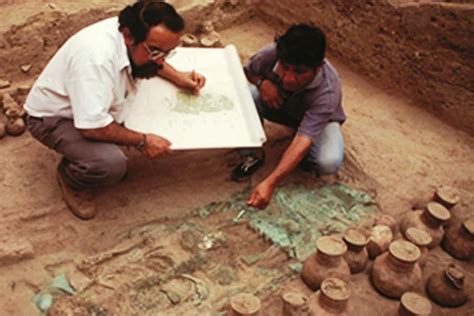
261	195
192	81
270	95
156	146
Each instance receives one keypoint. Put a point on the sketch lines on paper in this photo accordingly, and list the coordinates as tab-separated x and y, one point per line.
196	104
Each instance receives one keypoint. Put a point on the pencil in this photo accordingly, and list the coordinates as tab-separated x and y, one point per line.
194	79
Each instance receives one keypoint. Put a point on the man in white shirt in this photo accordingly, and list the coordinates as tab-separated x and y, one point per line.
76	106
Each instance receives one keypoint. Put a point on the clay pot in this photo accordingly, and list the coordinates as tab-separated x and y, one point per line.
447	287
459	240
431	220
380	238
357	255
16	126
3	130
245	305
413	304
211	40
446	196
326	262
9	102
3	118
3	124
331	299
389	221
397	271
421	239
189	39
295	304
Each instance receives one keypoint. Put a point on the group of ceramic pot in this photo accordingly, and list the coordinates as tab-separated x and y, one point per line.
397	268
331	299
398	264
209	37
11	118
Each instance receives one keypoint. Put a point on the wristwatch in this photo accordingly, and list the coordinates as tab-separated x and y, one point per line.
260	81
142	143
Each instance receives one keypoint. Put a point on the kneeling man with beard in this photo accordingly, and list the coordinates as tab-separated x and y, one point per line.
76	105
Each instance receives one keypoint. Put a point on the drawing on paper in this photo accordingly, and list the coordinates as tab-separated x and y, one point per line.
195	104
191	121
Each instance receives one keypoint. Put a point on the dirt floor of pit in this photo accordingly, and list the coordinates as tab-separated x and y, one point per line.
395	150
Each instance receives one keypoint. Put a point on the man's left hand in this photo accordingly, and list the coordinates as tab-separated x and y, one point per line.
261	195
192	81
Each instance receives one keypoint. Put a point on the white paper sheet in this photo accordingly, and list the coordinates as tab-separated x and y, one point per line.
222	116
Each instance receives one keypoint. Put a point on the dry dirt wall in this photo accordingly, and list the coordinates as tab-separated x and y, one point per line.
423	49
29	44
35	41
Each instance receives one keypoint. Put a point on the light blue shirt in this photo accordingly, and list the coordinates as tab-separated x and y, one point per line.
310	109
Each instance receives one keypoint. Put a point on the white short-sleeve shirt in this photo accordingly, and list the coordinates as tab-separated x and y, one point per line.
88	80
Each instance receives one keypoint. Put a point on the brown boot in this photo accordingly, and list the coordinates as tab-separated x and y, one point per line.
80	203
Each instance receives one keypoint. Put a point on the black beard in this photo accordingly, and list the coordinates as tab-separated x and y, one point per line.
146	71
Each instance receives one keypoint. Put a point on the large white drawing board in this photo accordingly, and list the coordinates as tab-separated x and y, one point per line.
222	116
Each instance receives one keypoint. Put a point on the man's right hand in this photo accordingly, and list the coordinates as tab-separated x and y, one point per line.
270	94
156	146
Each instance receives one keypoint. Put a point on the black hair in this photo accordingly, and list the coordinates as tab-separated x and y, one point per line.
145	14
302	44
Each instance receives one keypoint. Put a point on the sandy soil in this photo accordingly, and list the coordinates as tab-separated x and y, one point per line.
397	151
421	48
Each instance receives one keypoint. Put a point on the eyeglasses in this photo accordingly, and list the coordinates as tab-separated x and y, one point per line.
157	53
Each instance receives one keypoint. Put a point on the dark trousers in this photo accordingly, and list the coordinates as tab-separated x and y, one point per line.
86	164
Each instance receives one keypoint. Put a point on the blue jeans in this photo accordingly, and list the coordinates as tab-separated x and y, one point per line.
326	153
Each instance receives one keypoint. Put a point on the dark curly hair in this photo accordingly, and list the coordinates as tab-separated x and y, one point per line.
302	44
145	14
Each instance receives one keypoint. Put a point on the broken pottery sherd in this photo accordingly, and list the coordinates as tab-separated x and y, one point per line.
4	83
25	68
23	89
